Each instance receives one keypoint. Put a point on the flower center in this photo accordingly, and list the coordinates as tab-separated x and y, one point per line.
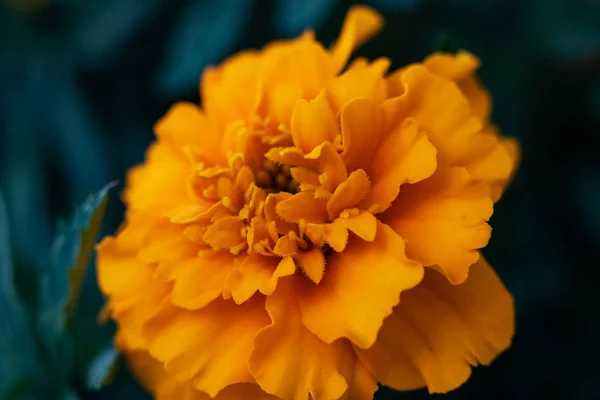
273	178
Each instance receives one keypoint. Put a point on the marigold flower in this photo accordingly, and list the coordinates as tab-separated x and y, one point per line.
314	229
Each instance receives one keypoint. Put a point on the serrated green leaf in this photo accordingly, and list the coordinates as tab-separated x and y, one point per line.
61	283
18	361
102	368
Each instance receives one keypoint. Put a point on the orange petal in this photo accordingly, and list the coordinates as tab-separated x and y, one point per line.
452	66
489	160
286	246
312	263
160	184
185	124
361	130
258	273
292	156
405	156
364	225
464	326
349	193
461	69
361	24
293	70
345	87
231	91
362	385
336	235
198	280
313	123
513	148
439	108
305	206
271	212
379	271
197	345
443	220
134	292
289	361
331	165
225	233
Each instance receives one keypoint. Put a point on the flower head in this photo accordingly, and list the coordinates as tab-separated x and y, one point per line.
314	229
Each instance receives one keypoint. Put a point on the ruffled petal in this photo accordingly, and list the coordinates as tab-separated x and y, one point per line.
362	132
160	184
345	88
349	193
303	205
166	387
405	156
362	384
313	122
512	147
361	24
461	68
439	108
298	69
443	220
185	124
463	326
134	292
199	280
209	347
361	286
257	273
232	91
289	361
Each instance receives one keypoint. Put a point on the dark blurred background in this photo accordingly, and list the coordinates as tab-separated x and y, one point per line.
83	81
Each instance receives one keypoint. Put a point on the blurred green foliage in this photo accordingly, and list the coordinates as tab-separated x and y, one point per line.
82	82
38	359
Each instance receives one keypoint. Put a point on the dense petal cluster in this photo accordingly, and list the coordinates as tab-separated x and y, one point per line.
314	229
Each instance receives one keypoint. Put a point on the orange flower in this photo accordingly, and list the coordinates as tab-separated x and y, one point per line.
313	230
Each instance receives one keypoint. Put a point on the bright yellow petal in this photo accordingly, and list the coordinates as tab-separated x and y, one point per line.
185	124
134	292
479	98
210	346
305	206
443	220
313	122
362	384
455	67
361	24
258	273
166	387
349	193
365	82
312	263
361	286
404	156
461	69
289	361
293	70
160	184
463	326
512	147
362	132
232	91
439	108
198	280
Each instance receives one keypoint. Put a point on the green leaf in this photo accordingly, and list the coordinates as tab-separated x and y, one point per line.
102	368
60	284
19	360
